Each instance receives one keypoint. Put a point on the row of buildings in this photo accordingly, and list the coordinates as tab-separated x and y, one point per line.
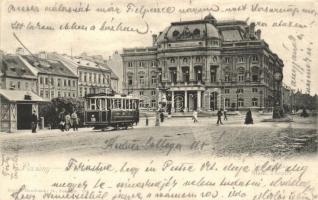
205	64
52	75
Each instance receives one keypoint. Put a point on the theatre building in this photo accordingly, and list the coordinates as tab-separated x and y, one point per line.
205	65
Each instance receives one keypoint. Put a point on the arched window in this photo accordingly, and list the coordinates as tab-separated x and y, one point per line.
254	102
214	59
197	59
196	33
172	60
175	33
185	60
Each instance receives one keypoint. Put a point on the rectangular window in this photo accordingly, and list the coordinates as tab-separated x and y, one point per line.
52	94
26	85
74	83
130	64
59	82
69	82
141	93
130	81
80	76
52	81
41	80
46	81
18	85
227	78
153	92
85	77
46	94
226	91
153	80
81	91
240	91
90	77
141	80
227	60
59	94
241	77
41	93
227	103
99	78
254	89
65	82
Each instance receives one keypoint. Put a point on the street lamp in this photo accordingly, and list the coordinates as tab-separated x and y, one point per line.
237	92
261	98
157	100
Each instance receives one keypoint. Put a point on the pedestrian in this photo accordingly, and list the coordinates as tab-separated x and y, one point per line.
219	114
248	117
195	116
162	117
225	115
75	121
147	121
62	120
34	122
67	122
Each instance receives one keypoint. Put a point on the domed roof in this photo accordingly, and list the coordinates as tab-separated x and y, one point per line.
195	30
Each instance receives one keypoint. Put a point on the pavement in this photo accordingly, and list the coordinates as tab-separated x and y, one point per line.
179	136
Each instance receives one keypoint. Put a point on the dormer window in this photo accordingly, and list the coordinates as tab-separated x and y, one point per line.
196	33
175	33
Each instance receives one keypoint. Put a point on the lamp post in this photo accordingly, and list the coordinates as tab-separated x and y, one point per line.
237	92
261	98
157	101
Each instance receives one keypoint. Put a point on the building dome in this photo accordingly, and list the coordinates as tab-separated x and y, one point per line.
190	30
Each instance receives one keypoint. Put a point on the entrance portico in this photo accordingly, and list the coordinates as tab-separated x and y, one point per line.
185	98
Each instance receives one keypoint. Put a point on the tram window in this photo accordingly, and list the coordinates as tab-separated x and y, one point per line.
127	104
119	103
97	104
92	104
108	104
103	104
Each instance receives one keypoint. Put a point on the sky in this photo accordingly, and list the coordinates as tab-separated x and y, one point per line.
280	27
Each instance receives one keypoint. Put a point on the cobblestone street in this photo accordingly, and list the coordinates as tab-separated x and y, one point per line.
176	136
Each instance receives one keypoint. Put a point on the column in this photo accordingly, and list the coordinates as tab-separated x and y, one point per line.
191	71
172	101
185	101
198	100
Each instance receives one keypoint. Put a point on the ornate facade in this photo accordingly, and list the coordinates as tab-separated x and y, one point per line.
205	65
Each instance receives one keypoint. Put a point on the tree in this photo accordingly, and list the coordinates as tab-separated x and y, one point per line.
51	111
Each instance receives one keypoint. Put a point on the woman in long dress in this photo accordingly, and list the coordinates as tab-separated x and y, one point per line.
248	117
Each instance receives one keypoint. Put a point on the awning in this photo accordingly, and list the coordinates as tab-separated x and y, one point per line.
20	96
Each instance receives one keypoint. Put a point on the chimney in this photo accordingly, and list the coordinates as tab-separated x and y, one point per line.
43	55
154	39
258	34
252	30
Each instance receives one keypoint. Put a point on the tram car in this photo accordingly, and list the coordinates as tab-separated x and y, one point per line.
116	111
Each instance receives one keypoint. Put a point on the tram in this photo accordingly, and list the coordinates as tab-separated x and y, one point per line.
102	111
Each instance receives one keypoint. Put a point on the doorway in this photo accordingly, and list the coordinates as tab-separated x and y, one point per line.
24	116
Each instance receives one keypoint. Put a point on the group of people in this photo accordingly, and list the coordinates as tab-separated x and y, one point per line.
68	121
220	113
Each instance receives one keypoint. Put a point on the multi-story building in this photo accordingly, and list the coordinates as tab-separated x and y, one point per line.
205	65
16	75
54	79
92	77
115	62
